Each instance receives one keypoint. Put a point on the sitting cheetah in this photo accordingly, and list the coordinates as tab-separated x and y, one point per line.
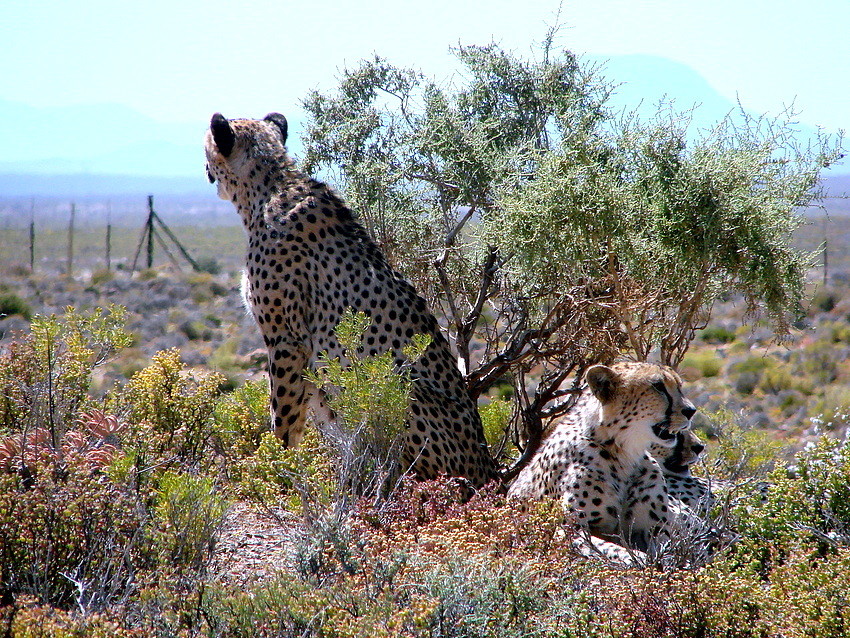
308	261
596	455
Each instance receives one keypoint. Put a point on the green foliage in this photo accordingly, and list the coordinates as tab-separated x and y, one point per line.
45	376
196	330
370	397
706	361
101	276
275	475
738	452
833	410
495	417
716	335
806	509
825	300
553	220
171	413
209	265
241	417
187	517
11	304
781	377
817	362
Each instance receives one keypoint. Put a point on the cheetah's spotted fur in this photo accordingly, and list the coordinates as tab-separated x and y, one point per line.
308	261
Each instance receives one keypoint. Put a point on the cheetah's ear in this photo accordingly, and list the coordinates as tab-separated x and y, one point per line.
223	135
603	382
280	121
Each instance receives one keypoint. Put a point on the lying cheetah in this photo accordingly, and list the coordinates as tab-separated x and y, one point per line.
594	458
693	492
308	261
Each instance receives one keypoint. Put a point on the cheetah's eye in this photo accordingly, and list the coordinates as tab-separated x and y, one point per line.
660	387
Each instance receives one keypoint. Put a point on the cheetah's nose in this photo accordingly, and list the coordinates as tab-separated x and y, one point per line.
697	449
689	411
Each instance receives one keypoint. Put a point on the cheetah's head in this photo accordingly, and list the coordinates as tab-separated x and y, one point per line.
679	458
642	404
235	148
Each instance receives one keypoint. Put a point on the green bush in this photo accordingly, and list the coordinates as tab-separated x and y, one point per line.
172	413
101	276
45	377
241	416
187	516
832	412
741	453
716	335
780	377
816	362
705	361
299	478
806	509
370	399
824	300
209	265
11	304
495	418
197	330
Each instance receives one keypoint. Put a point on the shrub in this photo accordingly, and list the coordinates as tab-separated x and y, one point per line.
807	508
68	537
495	417
241	416
27	619
209	265
832	412
11	304
196	330
816	362
171	413
706	362
781	377
299	478
824	300
716	335
45	377
188	516
370	399
739	452
101	276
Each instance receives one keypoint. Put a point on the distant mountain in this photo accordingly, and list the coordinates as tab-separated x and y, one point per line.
98	187
644	80
109	149
102	139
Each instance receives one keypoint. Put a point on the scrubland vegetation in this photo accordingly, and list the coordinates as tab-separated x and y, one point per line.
546	236
110	510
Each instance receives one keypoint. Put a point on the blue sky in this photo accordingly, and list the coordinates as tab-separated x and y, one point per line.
179	61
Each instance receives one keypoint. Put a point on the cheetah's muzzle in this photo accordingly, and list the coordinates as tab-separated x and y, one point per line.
662	430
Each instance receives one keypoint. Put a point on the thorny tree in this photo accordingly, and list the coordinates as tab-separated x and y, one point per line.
551	234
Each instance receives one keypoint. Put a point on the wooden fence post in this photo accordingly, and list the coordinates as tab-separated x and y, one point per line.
70	272
32	236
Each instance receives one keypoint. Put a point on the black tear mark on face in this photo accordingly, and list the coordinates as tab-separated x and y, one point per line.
675	463
661	429
210	175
